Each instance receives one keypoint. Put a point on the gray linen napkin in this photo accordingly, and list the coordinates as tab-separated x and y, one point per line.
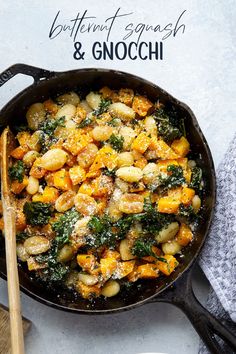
218	259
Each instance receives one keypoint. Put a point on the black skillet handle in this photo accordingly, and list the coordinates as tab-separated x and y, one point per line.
206	325
36	73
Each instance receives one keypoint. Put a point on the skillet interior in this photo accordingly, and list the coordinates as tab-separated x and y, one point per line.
83	81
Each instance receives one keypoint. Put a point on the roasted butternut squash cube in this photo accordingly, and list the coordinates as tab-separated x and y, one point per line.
86	188
181	146
162	150
105	157
49	195
17	187
102	186
36	170
148	271
51	107
141	143
86	261
23	138
108	266
184	235
168	205
76	142
187	195
88	291
77	175
169	266
19	152
111	254
123	269
62	180
141	105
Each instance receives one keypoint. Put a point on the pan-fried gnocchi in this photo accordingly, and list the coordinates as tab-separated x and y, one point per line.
104	189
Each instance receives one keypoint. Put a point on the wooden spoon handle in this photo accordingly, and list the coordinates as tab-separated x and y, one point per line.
17	339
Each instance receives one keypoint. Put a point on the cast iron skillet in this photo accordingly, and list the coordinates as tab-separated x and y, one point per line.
48	84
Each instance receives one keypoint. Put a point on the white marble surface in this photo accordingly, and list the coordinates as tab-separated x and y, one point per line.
199	69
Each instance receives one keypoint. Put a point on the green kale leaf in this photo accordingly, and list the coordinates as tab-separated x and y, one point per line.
116	142
64	225
170	126
101	232
16	171
196	178
85	122
49	125
175	179
103	107
37	213
143	247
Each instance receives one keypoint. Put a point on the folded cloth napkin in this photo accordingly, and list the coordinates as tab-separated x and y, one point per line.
218	258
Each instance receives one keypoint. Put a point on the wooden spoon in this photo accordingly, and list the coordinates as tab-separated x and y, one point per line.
17	339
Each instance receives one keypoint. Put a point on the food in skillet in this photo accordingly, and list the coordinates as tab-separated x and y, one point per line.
104	189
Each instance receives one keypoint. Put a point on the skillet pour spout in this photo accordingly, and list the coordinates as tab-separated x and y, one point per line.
49	84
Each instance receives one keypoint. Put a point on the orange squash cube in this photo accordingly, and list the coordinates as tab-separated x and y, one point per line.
187	195
147	271
141	143
77	175
169	266
86	261
88	291
36	170
17	187
141	105
181	146
50	107
184	235
108	266
62	180
123	269
23	138
111	254
168	205
19	152
141	163
86	188
106	157
102	186
163	150
76	142
49	195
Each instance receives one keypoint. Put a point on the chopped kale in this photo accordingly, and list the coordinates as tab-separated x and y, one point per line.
107	172
116	142
21	236
175	179
151	220
103	107
55	271
37	213
85	122
196	179
114	122
187	213
169	125
16	171
143	247
49	126
64	225
101	232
